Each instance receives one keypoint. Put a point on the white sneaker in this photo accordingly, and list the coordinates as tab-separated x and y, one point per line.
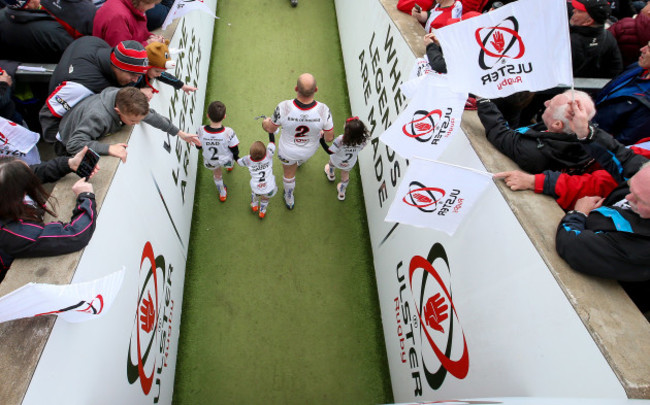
341	190
329	172
288	200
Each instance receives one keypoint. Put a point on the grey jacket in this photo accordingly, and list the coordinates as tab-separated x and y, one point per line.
95	117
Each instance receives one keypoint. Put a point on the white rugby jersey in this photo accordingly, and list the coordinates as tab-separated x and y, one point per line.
262	178
215	144
344	156
301	127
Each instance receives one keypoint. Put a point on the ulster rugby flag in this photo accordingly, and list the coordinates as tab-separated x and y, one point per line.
436	195
182	7
425	127
17	137
522	46
74	302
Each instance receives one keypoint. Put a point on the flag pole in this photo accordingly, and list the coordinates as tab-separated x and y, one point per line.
484	173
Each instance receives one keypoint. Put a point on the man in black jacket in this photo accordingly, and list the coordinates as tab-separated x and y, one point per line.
594	50
539	147
87	67
609	237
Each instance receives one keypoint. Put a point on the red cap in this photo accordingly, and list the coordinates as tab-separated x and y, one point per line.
579	6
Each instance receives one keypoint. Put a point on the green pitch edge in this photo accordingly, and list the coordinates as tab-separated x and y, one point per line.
282	310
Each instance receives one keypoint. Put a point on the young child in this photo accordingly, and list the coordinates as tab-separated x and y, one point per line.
343	152
220	146
260	165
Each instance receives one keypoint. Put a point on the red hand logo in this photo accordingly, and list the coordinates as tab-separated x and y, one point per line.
435	312
498	42
423	127
147	314
421	198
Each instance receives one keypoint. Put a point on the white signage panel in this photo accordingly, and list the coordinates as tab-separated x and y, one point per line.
129	355
470	316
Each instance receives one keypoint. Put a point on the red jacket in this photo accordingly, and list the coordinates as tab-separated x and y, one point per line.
567	189
468	5
631	34
119	20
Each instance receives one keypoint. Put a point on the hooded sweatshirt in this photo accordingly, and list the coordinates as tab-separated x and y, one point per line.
95	117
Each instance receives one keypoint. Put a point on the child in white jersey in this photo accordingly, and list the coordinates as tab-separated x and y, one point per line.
260	165
343	152
220	146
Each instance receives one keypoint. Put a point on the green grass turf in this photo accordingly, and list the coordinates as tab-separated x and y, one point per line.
282	310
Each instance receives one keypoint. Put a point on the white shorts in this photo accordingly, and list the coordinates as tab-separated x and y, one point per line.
268	195
289	162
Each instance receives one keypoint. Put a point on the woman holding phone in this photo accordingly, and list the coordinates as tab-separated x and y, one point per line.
24	203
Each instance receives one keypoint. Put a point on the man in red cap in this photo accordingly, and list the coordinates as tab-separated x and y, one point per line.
594	49
88	66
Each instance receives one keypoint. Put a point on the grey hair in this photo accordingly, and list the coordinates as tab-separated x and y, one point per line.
560	112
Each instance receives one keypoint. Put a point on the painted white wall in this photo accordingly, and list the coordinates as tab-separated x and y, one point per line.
145	219
523	338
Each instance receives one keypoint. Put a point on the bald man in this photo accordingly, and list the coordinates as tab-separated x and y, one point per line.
609	237
302	119
544	146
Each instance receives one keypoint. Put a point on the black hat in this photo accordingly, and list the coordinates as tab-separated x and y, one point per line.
598	10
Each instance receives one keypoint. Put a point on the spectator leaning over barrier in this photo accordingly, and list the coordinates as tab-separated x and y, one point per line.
24	202
632	34
609	237
122	20
108	112
439	15
623	105
547	146
87	67
159	62
594	50
566	189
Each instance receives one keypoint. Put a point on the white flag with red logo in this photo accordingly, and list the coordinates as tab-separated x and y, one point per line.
17	137
521	46
18	141
436	195
425	127
73	302
182	7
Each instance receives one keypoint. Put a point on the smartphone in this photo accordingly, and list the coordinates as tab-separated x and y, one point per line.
88	164
418	8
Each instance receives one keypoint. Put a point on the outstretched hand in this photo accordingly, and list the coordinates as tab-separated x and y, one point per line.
190	138
118	150
188	89
517	180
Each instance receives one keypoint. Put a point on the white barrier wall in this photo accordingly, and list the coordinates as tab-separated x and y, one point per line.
129	355
473	315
